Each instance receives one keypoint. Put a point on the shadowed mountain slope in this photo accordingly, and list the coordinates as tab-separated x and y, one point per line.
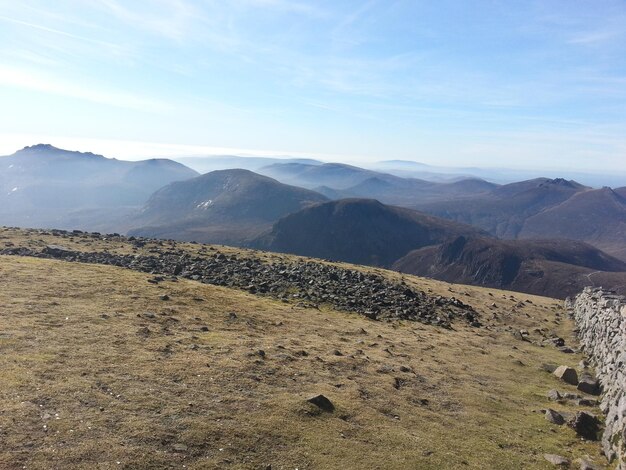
596	216
505	209
359	231
555	268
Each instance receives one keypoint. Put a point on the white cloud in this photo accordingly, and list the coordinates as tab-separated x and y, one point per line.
36	81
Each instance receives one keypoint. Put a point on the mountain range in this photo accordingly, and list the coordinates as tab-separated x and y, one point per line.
545	236
43	186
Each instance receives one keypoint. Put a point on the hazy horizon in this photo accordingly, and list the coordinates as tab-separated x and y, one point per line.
481	84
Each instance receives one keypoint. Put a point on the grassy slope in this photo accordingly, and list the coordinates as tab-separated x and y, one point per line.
134	396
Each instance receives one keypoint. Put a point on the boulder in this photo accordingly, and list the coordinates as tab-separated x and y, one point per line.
567	374
554	395
322	403
554	417
557	460
589	385
586	425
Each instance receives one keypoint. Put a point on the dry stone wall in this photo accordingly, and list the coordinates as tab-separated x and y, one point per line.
600	317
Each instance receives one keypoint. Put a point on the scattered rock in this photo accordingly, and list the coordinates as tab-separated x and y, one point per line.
519	336
554	417
586	402
179	448
368	294
143	332
557	460
588	385
554	395
587	465
322	403
586	425
567	375
550	368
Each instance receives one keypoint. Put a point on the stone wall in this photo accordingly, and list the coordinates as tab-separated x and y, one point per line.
601	325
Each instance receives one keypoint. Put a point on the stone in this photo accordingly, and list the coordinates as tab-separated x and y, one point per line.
585	464
567	374
557	460
586	425
586	402
519	336
179	448
554	417
554	395
588	385
550	368
322	403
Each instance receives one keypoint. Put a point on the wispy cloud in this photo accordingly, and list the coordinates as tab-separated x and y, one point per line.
59	32
167	18
36	81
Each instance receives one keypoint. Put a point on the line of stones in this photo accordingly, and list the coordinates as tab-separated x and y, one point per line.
311	283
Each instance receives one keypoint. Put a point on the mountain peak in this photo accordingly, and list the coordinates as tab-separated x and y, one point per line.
561	182
40	148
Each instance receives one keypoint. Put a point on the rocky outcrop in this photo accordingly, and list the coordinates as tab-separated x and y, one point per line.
311	283
601	321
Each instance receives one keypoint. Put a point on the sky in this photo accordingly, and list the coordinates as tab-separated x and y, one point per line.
528	84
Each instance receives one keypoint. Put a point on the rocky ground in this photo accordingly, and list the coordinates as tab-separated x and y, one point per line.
153	367
311	282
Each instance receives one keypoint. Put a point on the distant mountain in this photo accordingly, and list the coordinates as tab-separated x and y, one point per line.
358	231
338	181
595	216
504	210
43	185
406	192
226	206
227	162
554	268
334	175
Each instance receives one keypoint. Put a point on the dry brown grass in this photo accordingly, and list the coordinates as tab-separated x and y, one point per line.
90	381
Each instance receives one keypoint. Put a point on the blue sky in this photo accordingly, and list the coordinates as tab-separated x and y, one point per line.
473	83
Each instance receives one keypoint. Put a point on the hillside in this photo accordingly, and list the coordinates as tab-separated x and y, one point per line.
46	186
504	210
360	231
554	268
228	206
595	216
139	370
